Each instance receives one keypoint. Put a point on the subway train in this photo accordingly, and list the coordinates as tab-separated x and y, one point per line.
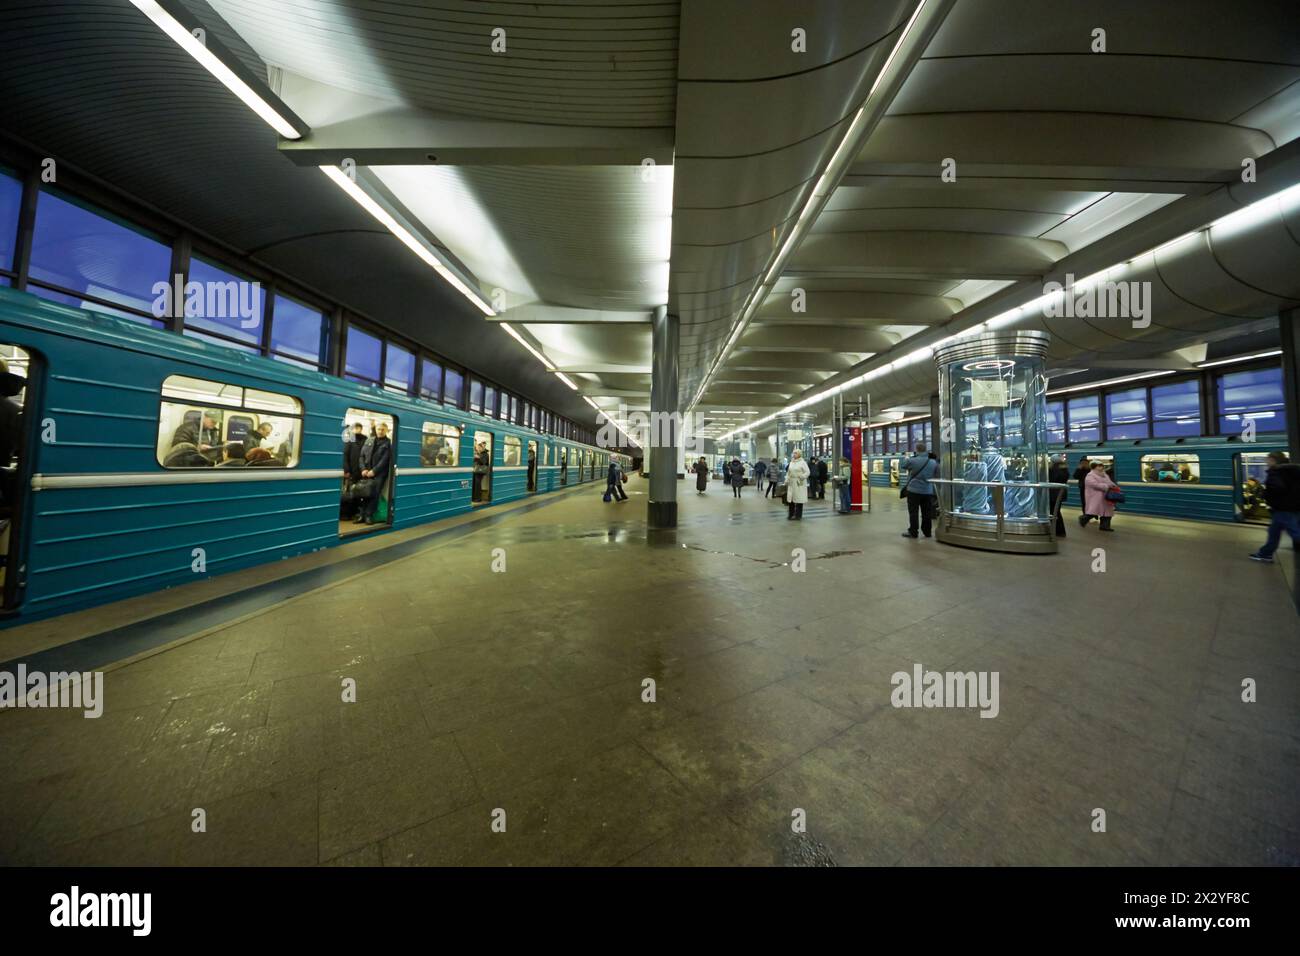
1203	479
148	459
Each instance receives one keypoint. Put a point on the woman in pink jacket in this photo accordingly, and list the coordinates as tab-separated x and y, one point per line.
1095	504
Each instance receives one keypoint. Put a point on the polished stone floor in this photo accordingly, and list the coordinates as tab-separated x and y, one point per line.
515	697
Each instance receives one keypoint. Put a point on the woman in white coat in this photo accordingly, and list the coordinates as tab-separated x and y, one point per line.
796	485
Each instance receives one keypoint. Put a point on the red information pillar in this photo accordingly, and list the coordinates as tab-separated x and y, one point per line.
855	468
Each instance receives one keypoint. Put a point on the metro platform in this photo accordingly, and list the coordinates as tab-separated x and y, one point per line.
479	691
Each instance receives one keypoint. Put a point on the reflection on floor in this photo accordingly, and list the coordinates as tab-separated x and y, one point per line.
524	690
348	526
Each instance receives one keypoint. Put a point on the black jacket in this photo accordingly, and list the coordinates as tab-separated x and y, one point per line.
1059	474
377	456
1081	475
823	471
194	434
1282	488
352	456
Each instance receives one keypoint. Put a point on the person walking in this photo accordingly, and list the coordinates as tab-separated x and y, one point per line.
920	468
759	470
614	483
773	478
1096	505
737	477
1081	475
701	470
796	485
1059	474
1282	494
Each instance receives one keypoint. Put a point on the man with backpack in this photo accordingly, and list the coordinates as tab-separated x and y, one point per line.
918	491
1282	493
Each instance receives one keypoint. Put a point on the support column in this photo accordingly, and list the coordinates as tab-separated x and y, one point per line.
664	437
1289	327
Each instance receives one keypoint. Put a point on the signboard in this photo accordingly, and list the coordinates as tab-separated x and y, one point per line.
794	434
988	392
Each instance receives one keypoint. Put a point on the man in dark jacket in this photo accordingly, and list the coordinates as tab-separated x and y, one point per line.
823	475
1059	473
376	462
352	453
614	482
1282	492
258	435
204	435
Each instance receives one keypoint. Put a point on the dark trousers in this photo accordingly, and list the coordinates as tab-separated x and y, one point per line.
735	487
771	488
615	490
796	511
1105	520
1279	521
922	505
1058	499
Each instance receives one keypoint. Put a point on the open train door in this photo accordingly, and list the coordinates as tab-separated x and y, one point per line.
20	382
1249	472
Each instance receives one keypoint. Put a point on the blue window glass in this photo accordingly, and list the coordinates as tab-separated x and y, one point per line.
293	361
1084	419
80	251
223	303
399	370
11	200
215	340
1176	409
297	330
453	388
1126	414
490	401
4	280
475	395
430	379
1251	396
77	302
362	356
1056	422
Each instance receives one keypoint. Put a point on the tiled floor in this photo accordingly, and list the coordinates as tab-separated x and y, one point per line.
517	697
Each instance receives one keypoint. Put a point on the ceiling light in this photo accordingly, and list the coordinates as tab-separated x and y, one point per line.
567	381
274	115
408	239
532	351
1112	381
1239	358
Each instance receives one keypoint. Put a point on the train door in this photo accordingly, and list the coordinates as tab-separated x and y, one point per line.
18	416
532	466
482	493
563	462
1249	470
369	469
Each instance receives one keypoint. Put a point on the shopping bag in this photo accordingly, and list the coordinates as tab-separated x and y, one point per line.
607	497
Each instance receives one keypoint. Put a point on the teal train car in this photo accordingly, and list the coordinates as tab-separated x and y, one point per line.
147	459
1200	479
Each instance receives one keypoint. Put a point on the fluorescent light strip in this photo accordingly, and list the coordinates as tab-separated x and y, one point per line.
407	238
820	193
1239	358
209	61
1281	199
531	351
1112	381
567	381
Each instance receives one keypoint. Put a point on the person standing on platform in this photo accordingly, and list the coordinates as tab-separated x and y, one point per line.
1097	505
760	469
919	469
823	476
1059	474
1282	493
701	470
737	471
796	485
1081	476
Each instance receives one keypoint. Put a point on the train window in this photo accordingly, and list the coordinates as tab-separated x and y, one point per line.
1253	397
511	453
11	198
439	445
363	354
223	303
1184	469
204	424
297	332
88	258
